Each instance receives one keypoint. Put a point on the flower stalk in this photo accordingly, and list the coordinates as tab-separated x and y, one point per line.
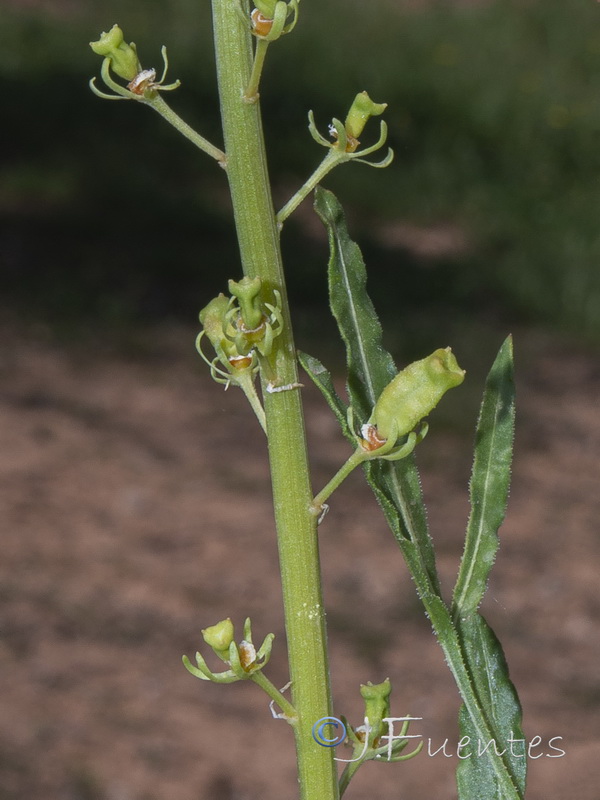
122	59
166	112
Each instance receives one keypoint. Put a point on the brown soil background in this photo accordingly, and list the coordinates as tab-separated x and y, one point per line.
135	510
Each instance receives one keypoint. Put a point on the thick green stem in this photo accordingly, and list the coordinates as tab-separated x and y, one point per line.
296	525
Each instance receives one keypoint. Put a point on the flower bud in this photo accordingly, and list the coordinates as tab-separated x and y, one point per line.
377	707
247	292
212	316
123	57
414	392
219	636
360	111
214	322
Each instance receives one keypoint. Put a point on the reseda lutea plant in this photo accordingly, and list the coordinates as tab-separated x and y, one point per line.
250	332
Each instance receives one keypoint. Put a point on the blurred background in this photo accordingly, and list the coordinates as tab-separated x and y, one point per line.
120	458
493	115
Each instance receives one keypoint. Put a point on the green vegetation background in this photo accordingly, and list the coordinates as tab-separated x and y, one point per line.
108	217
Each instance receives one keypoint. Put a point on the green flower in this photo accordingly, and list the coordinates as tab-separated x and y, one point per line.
219	636
361	110
123	57
414	392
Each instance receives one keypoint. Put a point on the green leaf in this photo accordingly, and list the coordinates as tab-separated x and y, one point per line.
396	485
370	369
476	776
482	653
489	483
322	379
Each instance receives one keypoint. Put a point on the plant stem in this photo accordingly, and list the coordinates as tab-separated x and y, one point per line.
260	679
296	525
357	457
251	93
166	112
246	384
347	775
331	160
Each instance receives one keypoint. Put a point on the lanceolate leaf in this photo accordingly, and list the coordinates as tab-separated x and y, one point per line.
482	653
370	369
489	483
476	776
323	380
